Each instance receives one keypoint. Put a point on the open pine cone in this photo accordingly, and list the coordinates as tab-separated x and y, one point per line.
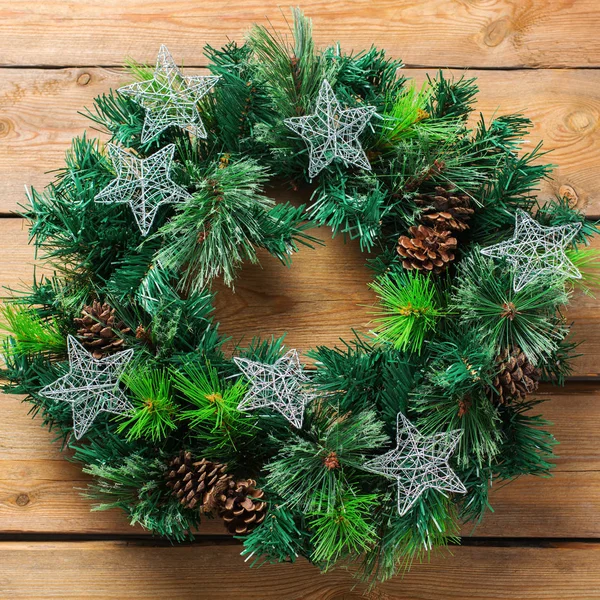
427	249
445	209
516	378
196	483
239	506
99	331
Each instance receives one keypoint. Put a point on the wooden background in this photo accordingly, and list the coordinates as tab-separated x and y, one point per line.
541	57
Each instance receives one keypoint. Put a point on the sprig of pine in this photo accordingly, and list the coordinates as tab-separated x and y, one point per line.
409	309
154	414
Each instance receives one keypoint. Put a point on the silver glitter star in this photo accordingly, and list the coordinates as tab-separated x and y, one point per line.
418	463
91	386
536	250
170	98
332	132
281	386
143	183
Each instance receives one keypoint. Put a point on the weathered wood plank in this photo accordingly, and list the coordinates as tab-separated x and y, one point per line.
320	299
117	569
38	119
39	488
537	33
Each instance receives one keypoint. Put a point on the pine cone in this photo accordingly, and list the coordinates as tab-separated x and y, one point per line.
516	378
445	210
238	506
99	331
196	483
427	249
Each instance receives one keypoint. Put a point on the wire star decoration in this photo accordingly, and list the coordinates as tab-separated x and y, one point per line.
535	250
91	386
170	98
332	132
281	386
143	183
418	463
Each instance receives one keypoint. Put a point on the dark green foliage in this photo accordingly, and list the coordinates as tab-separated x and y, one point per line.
528	318
135	483
343	528
278	539
221	226
526	447
314	467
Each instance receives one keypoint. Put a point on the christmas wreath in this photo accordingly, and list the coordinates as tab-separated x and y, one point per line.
377	451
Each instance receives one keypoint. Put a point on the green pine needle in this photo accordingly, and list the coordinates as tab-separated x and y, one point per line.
31	334
409	309
528	318
343	528
215	417
277	539
587	261
154	413
309	469
408	117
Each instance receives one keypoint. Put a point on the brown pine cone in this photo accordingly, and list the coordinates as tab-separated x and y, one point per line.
516	378
239	508
196	483
427	249
99	331
445	209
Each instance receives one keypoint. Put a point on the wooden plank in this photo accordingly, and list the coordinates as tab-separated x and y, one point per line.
106	570
323	296
39	488
38	119
538	33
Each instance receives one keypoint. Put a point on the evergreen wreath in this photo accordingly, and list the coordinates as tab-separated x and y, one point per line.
376	453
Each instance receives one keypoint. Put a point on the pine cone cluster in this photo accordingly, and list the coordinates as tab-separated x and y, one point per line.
516	378
205	485
430	245
426	249
99	331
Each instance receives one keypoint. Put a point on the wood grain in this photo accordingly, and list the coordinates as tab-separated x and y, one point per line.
438	33
103	570
40	489
39	117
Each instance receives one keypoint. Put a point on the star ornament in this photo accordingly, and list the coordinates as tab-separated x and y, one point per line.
281	386
332	132
418	463
535	250
143	183
170	98
91	386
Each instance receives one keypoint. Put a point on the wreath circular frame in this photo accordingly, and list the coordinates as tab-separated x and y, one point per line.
446	323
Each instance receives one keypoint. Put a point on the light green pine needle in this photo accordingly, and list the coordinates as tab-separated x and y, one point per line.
587	261
408	309
154	413
215	416
31	334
